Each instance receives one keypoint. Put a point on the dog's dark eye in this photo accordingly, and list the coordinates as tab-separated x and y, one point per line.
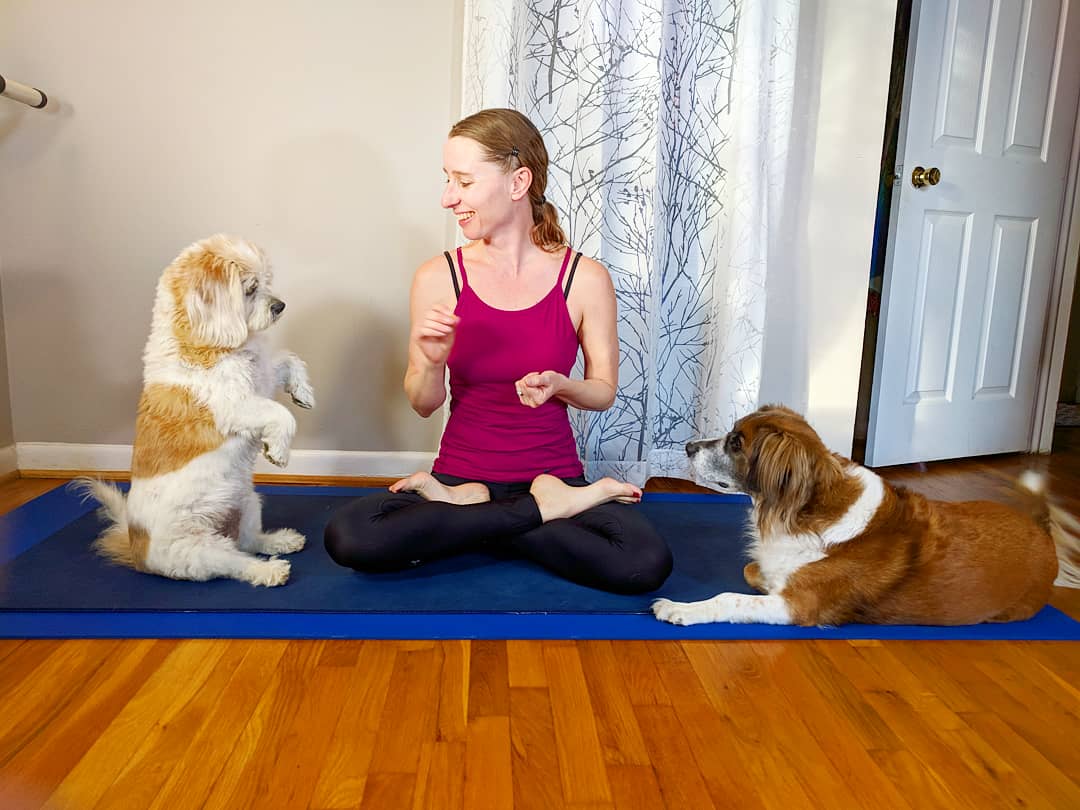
251	290
734	443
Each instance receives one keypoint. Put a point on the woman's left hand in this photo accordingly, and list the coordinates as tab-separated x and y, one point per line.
538	387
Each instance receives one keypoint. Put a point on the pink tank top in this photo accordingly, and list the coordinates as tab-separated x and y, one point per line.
490	435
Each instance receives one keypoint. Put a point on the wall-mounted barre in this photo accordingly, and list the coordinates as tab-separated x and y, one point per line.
24	93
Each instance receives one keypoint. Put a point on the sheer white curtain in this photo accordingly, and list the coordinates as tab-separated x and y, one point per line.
667	124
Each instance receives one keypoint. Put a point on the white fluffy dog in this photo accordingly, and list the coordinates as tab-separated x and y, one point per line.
205	415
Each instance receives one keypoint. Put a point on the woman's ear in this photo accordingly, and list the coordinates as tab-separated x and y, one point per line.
520	182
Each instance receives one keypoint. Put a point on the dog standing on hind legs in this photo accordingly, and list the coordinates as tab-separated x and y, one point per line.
205	415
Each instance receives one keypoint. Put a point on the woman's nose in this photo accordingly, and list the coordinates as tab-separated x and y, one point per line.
449	197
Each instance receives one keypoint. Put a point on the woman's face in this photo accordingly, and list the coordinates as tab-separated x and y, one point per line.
479	193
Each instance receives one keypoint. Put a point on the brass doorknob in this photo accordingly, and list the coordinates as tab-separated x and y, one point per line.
925	177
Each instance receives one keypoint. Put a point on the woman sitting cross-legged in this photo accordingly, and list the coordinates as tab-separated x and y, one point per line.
507	314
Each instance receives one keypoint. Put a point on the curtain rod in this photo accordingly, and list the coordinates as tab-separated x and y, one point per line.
24	93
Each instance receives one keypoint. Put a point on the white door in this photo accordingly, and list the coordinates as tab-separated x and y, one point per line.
990	101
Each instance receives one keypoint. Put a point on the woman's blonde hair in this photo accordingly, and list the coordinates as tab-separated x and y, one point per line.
510	140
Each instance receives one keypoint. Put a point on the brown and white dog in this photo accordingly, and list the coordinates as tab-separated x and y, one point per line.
833	543
205	415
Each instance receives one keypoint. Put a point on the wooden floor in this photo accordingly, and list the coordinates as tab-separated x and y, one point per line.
554	724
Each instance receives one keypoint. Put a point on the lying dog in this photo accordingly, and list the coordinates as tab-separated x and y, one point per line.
204	417
833	543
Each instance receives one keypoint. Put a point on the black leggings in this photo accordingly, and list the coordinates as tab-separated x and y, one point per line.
611	547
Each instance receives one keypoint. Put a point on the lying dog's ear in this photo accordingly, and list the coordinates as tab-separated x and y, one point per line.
215	304
781	475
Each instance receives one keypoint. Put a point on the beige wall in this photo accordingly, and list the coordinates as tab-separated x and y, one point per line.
7	432
315	129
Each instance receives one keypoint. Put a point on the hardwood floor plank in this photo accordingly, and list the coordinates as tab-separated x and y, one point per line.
341	783
445	784
922	740
581	759
196	773
301	753
156	758
47	690
43	761
454	690
389	791
534	751
489	783
677	771
1030	764
169	688
244	781
525	663
616	723
716	720
489	680
410	714
831	731
634	787
643	683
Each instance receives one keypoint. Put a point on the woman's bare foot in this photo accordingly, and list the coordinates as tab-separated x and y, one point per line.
430	488
558	500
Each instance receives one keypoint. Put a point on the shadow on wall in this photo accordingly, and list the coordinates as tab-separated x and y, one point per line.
333	201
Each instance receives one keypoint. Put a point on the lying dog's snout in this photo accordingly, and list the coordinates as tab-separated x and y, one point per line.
277	307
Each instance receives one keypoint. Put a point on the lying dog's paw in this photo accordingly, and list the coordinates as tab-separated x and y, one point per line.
268	573
684	613
282	541
303	396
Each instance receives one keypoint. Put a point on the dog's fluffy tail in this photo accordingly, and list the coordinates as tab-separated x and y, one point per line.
1063	528
115	542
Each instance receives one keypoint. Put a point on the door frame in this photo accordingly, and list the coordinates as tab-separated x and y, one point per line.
1057	320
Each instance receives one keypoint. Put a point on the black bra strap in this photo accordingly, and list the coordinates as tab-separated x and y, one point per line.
453	274
570	277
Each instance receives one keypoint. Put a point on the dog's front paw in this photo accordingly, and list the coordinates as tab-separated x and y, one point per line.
277	454
684	613
269	573
303	395
277	437
283	541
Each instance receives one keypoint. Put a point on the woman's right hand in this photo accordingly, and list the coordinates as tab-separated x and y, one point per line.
434	334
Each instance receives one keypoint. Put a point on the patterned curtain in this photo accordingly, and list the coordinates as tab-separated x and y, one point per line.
667	125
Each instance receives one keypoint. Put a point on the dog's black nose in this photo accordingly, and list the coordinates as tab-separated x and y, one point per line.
277	307
692	447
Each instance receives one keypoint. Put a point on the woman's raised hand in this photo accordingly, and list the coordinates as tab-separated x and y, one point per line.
434	334
538	387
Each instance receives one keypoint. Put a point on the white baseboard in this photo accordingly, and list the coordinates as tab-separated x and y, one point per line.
8	460
111	457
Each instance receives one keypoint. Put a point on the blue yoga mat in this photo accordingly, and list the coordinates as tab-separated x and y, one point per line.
53	585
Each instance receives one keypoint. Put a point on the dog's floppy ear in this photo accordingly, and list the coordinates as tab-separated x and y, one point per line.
215	303
781	473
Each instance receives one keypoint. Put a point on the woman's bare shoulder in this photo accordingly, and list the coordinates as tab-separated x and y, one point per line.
592	274
433	273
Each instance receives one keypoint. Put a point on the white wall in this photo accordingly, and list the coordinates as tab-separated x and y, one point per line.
315	129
